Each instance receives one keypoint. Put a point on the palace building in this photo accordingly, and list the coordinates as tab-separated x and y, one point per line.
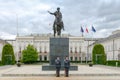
80	48
111	45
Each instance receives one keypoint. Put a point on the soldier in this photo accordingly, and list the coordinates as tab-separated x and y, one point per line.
66	66
58	66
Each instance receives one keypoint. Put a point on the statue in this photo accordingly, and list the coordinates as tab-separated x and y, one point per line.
58	23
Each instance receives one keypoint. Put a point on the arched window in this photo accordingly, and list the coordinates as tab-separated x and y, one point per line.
40	57
71	58
71	50
45	58
45	50
75	58
75	49
40	50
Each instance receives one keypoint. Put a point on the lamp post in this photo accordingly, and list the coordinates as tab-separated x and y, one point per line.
17	34
113	49
119	54
80	54
17	24
87	52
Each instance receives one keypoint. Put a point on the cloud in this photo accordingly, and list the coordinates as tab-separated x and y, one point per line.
33	17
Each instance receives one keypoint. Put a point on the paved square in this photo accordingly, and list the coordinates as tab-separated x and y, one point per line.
34	72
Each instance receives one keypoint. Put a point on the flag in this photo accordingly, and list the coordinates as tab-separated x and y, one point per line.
93	29
82	30
87	30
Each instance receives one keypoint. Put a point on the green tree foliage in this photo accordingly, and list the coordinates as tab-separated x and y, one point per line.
29	55
98	54
8	56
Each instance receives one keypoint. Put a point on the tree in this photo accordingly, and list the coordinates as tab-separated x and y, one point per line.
29	55
8	57
98	54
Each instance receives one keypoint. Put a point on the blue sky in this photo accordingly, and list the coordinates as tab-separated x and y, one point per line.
33	17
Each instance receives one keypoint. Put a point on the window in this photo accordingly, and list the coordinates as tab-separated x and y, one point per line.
75	58
40	50
85	58
71	58
40	57
45	50
71	50
80	49
45	58
75	49
80	58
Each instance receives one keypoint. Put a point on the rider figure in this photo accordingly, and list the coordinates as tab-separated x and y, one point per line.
58	21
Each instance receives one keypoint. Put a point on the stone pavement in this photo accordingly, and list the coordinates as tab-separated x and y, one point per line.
34	72
63	78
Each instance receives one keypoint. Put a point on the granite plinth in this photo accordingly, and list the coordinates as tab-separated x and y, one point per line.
58	47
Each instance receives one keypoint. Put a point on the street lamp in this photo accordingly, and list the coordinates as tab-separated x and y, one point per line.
80	54
119	54
113	49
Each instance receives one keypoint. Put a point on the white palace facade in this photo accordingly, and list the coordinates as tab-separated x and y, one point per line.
111	45
80	48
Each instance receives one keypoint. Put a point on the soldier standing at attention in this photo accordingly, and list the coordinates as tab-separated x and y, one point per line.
58	66
66	66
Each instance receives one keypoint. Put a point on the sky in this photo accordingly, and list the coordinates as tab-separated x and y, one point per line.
31	17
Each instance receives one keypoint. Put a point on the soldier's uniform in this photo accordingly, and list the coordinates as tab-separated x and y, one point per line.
58	66
66	66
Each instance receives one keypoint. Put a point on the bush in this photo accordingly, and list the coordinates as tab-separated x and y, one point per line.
43	61
29	55
99	54
8	57
1	63
113	63
79	61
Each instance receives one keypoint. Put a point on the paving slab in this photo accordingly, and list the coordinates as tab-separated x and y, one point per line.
36	70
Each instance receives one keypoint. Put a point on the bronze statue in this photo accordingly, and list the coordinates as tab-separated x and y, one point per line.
58	23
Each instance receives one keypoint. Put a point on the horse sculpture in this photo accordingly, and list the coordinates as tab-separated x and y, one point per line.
58	23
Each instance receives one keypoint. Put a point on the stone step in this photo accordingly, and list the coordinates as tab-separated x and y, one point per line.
26	75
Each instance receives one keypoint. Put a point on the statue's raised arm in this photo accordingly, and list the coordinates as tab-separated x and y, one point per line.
50	13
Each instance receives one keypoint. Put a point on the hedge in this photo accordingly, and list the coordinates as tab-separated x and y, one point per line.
8	57
113	63
79	61
98	54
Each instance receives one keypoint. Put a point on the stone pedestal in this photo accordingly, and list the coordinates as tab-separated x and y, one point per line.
58	47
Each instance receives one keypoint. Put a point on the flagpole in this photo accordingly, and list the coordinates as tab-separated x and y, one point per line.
87	45
93	31
82	33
